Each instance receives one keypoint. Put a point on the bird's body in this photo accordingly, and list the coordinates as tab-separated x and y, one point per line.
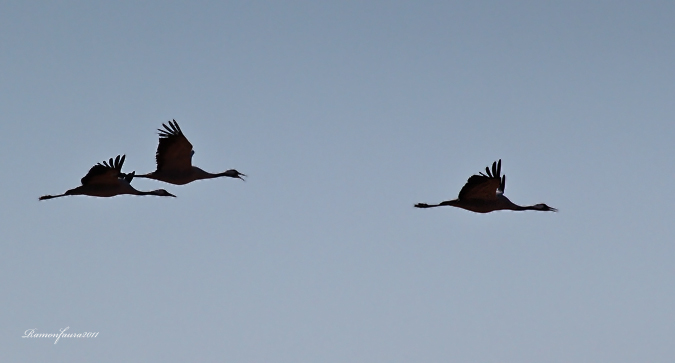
174	159
181	177
485	193
107	180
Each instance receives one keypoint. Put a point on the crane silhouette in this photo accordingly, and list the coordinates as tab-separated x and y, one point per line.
485	193
107	180
174	159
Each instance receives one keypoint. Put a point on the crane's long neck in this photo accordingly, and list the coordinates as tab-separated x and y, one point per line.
452	203
216	175
505	203
538	207
74	191
199	174
158	192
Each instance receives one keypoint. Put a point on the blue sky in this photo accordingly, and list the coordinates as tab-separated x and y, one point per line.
344	115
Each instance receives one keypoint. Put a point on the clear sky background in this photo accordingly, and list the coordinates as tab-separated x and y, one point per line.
344	115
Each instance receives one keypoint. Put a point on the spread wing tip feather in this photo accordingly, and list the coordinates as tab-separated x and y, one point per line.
172	129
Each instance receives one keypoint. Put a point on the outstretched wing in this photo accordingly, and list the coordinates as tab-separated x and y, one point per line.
105	173
174	152
484	186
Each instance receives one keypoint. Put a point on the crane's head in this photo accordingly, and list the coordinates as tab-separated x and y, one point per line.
162	193
234	174
544	207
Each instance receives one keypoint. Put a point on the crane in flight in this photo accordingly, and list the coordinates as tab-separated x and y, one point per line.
107	180
174	159
485	193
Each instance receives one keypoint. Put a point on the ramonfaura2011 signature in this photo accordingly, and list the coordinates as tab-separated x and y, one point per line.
30	333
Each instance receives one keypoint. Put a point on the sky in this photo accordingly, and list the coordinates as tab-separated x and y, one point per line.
343	115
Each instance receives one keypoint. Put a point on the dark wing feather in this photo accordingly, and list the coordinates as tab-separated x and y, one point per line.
104	173
483	186
479	187
174	151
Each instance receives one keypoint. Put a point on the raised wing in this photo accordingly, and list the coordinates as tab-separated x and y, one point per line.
106	173
484	186
174	151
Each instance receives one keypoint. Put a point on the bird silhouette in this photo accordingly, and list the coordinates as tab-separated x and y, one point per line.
107	180
485	193
174	159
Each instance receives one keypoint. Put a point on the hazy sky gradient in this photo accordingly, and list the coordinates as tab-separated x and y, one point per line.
344	115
